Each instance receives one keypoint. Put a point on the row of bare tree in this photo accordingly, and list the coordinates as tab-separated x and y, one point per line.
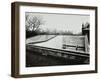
33	27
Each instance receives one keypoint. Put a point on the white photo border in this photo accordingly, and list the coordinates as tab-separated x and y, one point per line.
54	69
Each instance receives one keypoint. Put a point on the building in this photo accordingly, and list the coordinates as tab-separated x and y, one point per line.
86	30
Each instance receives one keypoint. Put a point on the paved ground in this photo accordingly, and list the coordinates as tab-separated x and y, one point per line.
58	41
39	38
34	58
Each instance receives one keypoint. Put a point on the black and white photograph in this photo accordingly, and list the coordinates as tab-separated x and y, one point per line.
52	39
57	39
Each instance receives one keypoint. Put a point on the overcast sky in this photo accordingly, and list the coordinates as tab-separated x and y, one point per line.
62	21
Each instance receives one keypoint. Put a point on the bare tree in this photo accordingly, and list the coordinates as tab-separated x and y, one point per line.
33	23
